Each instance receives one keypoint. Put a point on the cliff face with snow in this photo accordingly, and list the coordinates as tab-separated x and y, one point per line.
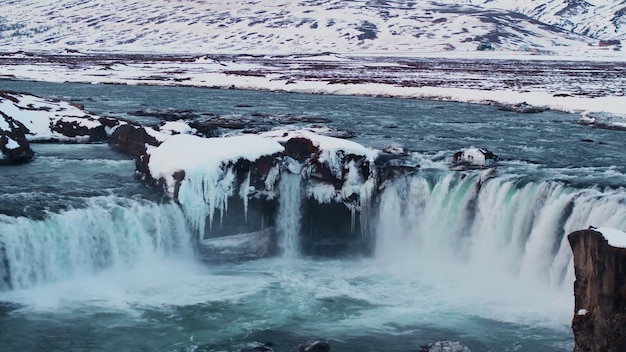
244	26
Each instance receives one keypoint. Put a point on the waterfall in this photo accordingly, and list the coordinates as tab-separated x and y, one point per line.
289	214
110	232
504	226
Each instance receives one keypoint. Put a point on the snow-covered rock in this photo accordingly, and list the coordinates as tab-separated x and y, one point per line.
615	237
603	120
474	157
51	120
205	175
177	127
347	166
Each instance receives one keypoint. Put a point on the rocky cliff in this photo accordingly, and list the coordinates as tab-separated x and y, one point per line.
599	322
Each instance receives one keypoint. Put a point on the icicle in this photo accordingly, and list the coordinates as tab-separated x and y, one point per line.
204	191
243	193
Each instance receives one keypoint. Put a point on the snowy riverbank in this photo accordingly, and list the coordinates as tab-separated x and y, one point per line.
578	86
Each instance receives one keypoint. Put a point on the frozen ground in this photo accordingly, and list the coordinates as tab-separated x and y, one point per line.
595	88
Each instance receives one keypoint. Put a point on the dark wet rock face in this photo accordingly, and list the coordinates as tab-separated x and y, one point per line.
14	148
132	139
599	322
300	149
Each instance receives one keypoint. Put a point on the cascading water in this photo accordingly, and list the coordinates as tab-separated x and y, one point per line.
289	214
500	227
110	232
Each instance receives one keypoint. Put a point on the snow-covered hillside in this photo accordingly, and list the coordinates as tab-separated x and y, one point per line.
601	19
267	26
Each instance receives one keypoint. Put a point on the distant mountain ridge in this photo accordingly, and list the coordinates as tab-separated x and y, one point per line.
601	19
353	26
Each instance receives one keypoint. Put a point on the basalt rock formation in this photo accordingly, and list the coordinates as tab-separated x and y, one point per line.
599	322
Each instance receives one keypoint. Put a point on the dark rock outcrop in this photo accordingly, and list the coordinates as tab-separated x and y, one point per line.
76	130
522	107
313	346
14	147
132	139
599	322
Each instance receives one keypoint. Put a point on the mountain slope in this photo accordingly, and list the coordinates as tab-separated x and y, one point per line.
601	19
266	26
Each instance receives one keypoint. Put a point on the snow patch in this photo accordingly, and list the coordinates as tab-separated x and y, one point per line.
177	127
38	115
616	238
329	146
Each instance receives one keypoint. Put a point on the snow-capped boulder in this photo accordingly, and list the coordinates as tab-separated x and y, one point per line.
52	120
176	127
327	161
238	177
603	120
474	157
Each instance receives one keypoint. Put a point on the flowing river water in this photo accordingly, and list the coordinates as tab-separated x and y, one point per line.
99	262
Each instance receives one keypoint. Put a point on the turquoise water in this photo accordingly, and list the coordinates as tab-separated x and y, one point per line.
101	263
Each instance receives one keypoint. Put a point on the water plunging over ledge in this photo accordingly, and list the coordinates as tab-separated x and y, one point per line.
457	255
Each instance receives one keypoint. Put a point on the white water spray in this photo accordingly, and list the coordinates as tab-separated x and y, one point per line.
110	232
505	236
